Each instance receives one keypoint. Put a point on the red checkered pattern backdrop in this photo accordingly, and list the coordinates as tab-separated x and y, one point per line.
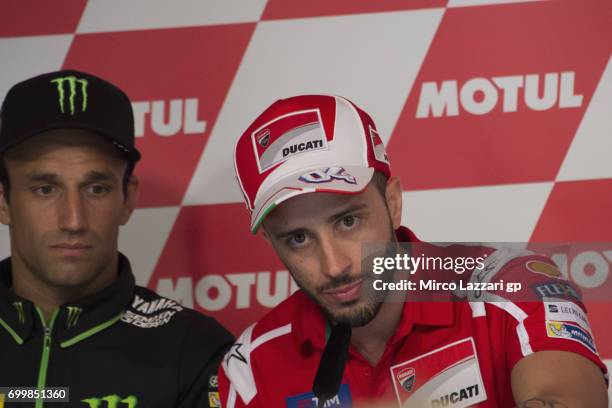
497	116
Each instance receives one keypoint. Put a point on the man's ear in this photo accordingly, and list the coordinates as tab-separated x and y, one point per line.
5	215
393	196
131	197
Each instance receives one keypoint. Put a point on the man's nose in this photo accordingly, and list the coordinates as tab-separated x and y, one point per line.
336	261
72	213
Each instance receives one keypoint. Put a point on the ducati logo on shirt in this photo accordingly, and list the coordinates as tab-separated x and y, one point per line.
308	400
406	378
447	377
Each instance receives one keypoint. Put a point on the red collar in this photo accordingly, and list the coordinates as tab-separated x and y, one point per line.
309	324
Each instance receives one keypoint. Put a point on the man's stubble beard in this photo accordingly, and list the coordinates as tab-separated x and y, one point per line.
363	310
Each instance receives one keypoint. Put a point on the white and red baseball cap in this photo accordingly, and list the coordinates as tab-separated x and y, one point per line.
306	144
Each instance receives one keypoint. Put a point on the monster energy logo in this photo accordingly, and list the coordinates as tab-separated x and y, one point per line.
73	315
112	401
72	85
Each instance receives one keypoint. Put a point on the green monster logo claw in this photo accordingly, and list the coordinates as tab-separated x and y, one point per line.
112	401
73	315
20	313
72	84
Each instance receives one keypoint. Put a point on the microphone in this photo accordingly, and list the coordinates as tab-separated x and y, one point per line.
331	367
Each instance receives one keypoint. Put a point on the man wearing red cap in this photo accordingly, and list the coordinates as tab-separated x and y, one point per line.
335	343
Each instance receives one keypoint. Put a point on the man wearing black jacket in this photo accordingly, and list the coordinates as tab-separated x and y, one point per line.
71	315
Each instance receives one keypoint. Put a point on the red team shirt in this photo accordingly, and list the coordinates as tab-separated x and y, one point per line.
455	354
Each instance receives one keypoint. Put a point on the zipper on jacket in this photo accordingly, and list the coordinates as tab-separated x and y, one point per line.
46	350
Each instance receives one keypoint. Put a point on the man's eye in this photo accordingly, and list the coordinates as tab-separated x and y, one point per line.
297	239
349	221
97	189
45	190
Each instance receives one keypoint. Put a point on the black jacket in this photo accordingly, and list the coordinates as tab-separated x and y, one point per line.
124	346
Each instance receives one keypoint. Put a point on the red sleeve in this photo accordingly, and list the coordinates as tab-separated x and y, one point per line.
536	331
552	315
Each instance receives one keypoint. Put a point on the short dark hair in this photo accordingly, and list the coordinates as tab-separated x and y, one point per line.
4	179
379	180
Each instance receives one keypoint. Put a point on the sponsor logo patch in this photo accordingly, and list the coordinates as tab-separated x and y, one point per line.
563	330
308	400
544	268
327	175
288	136
213	399
563	290
213	381
235	353
557	310
447	376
